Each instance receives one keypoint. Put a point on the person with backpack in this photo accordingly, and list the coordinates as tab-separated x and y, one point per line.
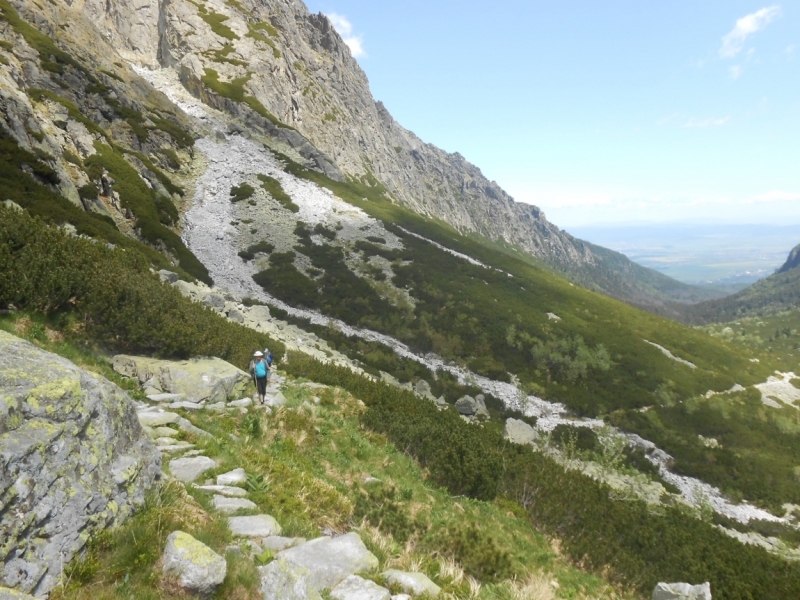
268	357
259	371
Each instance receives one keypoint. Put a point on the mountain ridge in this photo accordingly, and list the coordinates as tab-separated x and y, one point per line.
297	67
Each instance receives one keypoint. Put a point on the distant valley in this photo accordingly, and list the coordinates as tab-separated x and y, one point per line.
724	257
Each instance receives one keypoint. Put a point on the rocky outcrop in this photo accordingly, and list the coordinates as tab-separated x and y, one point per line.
682	591
519	432
73	461
196	380
793	261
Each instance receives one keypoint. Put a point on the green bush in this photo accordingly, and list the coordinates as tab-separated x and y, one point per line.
251	251
113	295
241	192
274	188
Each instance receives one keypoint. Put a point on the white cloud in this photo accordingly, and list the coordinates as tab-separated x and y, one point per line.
735	71
344	28
733	43
712	122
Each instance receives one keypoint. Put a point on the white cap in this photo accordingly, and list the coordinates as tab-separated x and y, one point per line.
258	353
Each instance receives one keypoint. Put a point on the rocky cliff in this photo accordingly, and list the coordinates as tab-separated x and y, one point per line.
793	261
278	71
73	460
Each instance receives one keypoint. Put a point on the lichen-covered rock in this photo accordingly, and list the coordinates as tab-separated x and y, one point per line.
358	588
415	584
197	567
284	580
8	594
209	379
519	432
73	461
682	591
330	560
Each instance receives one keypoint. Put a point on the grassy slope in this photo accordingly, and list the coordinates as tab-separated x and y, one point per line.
455	295
315	463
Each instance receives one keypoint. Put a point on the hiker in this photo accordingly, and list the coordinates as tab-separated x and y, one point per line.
269	359
259	371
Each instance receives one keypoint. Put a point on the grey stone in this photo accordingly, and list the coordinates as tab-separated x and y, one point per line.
162	397
225	490
232	477
244	402
177	448
187	405
157	419
415	584
12	205
256	526
358	588
235	315
401	597
77	459
197	568
276	543
283	580
215	300
275	400
186	426
168	276
519	432
209	379
330	560
229	506
466	406
682	591
189	469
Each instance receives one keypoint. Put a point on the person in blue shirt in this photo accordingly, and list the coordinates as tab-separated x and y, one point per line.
259	371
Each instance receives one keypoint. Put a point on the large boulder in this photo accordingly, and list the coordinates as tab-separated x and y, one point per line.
73	460
519	432
197	568
197	379
682	591
283	580
467	406
330	560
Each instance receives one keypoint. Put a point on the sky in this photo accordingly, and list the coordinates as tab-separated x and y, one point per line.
599	112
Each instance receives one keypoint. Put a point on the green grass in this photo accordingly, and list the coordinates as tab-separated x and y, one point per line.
151	212
241	192
274	188
235	91
777	335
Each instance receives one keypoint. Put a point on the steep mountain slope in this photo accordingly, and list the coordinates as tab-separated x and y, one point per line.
119	153
774	294
793	261
283	65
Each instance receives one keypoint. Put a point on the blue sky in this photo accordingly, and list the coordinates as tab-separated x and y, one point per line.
599	112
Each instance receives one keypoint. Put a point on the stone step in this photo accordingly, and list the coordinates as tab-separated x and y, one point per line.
225	490
229	506
256	526
189	469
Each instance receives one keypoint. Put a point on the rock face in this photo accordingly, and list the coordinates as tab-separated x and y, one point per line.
73	461
197	567
792	262
682	591
198	379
